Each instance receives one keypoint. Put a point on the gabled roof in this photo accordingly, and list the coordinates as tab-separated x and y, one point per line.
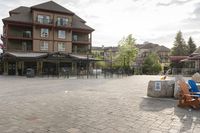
23	14
161	49
52	6
78	24
149	46
24	17
21	9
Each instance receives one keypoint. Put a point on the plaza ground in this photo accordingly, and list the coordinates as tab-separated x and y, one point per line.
119	105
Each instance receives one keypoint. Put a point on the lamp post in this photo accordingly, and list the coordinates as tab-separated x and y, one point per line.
124	63
104	60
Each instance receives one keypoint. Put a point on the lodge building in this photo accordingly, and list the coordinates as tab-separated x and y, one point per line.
46	37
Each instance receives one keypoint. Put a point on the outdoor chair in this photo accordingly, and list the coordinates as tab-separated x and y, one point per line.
187	99
194	88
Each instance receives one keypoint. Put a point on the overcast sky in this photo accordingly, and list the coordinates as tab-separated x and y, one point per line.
155	21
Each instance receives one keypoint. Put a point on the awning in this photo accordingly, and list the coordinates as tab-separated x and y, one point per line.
49	56
25	55
177	58
83	57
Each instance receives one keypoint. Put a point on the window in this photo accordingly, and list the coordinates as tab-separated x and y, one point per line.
27	34
61	46
44	32
43	19
62	21
75	38
61	34
44	46
40	18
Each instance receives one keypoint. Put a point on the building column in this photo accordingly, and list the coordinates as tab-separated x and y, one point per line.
74	67
39	67
5	67
16	68
22	65
90	42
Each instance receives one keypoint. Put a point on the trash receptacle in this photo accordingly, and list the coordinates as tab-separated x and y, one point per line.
30	72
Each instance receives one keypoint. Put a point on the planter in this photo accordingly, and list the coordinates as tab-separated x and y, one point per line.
161	88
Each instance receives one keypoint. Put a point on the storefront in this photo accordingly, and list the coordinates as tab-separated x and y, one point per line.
16	63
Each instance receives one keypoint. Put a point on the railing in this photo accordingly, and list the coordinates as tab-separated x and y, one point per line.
27	35
184	71
44	21
61	23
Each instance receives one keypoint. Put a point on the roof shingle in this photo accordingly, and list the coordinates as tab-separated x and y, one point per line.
78	24
52	6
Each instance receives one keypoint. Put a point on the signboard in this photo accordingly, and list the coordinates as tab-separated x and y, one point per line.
157	86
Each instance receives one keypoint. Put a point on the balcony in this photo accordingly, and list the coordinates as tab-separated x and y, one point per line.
20	35
81	39
80	49
61	23
19	45
27	34
44	21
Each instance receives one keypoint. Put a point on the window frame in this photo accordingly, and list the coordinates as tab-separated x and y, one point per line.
61	46
41	19
43	33
62	21
60	36
44	46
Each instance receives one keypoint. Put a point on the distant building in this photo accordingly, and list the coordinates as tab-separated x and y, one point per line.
105	53
145	49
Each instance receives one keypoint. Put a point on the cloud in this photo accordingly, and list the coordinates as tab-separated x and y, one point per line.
193	19
174	2
148	20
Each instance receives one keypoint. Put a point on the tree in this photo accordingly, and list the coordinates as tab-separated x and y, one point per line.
127	52
191	46
151	64
180	47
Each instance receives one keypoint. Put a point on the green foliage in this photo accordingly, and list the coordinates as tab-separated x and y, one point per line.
151	64
191	46
180	48
101	64
127	52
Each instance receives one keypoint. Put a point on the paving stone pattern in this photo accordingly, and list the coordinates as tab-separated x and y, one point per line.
52	105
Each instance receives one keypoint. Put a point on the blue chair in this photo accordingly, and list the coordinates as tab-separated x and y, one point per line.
194	88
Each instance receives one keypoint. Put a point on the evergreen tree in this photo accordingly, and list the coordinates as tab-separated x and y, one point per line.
180	47
191	46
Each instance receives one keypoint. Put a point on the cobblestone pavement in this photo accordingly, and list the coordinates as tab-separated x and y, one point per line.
51	105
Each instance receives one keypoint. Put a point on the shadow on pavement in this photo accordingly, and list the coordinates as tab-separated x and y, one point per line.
184	118
156	104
